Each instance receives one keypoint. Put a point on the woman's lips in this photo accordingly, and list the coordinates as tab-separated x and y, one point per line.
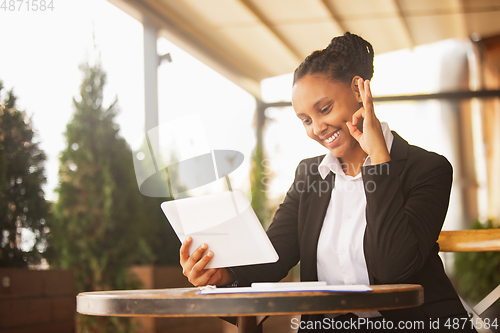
332	139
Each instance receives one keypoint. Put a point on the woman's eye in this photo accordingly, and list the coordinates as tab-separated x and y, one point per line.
325	109
306	121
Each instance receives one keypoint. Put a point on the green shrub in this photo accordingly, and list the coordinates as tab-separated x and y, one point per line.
477	273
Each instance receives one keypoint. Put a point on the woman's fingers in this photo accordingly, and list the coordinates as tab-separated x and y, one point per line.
193	266
355	132
204	279
353	129
197	254
357	115
199	275
184	250
371	139
201	263
369	99
361	87
366	97
189	261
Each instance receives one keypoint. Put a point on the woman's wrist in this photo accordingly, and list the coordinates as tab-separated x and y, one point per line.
227	277
380	157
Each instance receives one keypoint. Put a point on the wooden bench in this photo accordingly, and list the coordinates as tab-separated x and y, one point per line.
476	240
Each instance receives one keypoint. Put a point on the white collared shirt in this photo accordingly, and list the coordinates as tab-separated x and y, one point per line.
340	256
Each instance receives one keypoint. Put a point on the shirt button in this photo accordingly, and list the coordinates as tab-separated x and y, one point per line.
343	249
348	216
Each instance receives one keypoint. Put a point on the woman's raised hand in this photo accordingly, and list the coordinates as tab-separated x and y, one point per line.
371	139
193	267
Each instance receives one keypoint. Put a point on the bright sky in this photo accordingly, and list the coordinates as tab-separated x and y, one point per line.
42	62
42	51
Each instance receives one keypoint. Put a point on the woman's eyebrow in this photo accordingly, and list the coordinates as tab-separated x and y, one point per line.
315	105
319	101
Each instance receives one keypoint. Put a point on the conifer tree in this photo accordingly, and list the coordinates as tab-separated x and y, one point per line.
24	212
259	187
98	210
100	227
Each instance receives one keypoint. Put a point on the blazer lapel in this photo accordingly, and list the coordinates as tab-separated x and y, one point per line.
399	154
399	149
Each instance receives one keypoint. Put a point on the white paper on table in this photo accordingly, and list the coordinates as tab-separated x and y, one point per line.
227	223
282	287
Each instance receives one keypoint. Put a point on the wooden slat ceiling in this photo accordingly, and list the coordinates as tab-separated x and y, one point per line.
250	40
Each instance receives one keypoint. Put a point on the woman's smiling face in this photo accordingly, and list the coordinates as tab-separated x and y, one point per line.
324	106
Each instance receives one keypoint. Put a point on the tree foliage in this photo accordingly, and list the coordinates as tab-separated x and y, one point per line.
477	273
259	186
24	212
103	224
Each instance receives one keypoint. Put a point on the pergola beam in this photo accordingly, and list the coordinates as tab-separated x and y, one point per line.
188	38
453	95
333	15
271	27
463	17
404	23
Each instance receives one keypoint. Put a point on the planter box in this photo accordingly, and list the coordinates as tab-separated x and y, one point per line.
37	301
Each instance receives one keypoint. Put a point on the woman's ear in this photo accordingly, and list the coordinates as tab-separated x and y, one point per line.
355	88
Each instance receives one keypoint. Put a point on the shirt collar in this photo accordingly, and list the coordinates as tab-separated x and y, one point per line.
331	163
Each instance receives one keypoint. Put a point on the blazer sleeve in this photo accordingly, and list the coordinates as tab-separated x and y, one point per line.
405	211
283	233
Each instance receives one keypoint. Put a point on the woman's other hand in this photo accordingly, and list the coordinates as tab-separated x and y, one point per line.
193	267
371	139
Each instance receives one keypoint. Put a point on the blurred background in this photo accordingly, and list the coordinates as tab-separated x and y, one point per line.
82	80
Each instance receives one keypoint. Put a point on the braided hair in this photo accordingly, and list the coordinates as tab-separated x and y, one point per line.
345	57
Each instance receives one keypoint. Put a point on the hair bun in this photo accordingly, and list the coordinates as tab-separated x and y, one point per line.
345	57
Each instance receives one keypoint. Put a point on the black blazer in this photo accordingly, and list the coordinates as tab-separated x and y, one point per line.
407	199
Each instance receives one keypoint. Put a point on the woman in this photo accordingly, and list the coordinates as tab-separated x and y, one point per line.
369	212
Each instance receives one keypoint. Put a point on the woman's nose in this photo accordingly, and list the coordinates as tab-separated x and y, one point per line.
319	127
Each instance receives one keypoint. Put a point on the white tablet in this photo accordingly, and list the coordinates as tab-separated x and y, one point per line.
227	223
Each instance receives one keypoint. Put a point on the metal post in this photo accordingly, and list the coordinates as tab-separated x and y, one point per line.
260	121
151	61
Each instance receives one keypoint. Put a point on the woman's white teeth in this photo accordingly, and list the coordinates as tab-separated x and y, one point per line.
330	139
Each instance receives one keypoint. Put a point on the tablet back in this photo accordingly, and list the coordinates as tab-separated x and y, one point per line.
227	223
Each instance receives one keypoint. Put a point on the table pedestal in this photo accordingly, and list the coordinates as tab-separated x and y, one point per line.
249	324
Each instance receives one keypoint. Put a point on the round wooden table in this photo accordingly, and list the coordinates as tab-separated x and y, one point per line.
184	302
